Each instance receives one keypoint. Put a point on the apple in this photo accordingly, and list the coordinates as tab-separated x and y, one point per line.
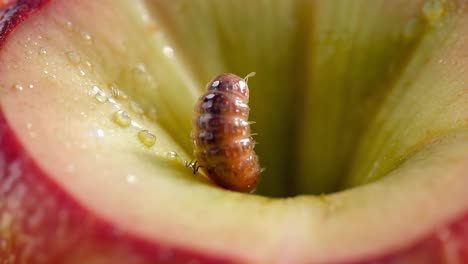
360	109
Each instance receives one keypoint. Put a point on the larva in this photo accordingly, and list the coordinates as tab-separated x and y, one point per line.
223	145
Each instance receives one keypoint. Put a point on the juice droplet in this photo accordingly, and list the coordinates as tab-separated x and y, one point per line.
73	57
135	107
147	138
42	51
30	86
94	90
122	119
139	71
100	132
132	179
89	65
171	155
18	87
69	25
168	51
87	37
101	97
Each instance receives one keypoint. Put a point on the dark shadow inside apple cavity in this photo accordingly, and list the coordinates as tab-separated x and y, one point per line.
343	93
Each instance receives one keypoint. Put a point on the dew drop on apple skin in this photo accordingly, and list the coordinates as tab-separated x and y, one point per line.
168	51
101	97
147	138
42	51
98	94
140	77
100	132
73	57
121	118
69	25
94	90
173	156
132	179
18	87
82	73
87	37
139	71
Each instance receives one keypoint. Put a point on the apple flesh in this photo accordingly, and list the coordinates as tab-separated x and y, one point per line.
79	185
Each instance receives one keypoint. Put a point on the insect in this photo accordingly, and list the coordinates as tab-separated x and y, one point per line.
223	142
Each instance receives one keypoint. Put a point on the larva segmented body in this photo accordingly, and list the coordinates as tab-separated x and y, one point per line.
224	147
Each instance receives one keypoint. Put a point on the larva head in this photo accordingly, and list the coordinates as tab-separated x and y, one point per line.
230	83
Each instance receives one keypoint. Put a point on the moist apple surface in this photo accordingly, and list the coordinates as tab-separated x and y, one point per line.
372	99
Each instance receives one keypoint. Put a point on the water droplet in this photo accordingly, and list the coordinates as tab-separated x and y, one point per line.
89	65
132	179
101	97
29	52
140	73
95	90
87	37
30	86
82	73
140	77
172	155
433	10
18	87
100	132
73	57
135	107
42	51
147	138
69	25
168	51
122	119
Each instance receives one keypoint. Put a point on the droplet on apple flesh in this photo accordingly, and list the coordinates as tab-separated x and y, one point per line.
363	101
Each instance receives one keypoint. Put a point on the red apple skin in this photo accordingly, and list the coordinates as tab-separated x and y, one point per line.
41	223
